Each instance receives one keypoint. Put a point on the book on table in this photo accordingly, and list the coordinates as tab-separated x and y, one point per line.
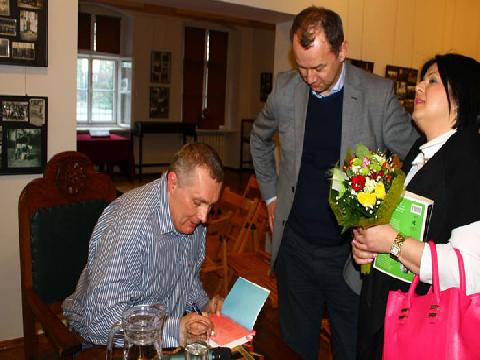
239	312
411	217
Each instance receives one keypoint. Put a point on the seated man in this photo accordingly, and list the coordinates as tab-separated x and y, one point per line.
147	248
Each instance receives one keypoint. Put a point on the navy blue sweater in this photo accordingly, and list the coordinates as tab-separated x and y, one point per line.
310	216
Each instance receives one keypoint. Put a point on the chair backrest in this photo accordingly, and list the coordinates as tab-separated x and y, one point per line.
260	224
252	190
57	214
241	211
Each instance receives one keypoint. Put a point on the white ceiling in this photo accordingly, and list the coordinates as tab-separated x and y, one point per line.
224	8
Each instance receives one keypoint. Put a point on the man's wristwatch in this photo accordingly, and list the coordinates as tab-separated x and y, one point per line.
397	245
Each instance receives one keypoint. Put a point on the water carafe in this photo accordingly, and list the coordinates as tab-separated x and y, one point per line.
142	327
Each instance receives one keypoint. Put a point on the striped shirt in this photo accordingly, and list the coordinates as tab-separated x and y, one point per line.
137	257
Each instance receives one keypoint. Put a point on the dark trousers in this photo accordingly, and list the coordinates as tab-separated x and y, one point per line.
308	278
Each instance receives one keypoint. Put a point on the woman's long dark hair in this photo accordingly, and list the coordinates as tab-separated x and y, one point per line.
461	78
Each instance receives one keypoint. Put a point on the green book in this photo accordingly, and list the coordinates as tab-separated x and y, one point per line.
411	218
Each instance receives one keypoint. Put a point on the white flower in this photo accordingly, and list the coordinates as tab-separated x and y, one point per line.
369	185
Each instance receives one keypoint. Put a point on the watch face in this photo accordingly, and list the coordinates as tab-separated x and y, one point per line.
395	250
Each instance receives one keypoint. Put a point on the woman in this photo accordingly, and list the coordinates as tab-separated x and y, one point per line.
443	166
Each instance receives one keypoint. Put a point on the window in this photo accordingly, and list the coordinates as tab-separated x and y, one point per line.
103	91
204	77
104	81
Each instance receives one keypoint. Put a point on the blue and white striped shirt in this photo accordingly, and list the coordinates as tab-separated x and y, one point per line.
137	257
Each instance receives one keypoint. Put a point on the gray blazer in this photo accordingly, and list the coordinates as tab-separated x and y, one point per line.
371	116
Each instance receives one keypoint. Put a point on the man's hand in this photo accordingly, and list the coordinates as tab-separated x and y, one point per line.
215	304
194	323
271	213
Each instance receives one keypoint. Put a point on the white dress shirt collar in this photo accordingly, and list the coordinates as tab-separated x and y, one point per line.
337	87
430	148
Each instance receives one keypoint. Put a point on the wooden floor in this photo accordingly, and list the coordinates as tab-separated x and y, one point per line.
267	340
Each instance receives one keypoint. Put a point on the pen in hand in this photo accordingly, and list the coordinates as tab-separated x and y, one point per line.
196	309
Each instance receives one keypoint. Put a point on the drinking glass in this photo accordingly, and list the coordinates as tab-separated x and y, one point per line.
196	340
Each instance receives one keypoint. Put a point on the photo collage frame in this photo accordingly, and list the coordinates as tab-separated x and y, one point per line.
23	134
365	65
405	80
160	72
23	32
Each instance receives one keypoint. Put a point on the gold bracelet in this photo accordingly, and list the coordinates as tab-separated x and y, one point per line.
397	245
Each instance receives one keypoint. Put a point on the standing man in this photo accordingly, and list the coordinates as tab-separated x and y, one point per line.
319	111
148	247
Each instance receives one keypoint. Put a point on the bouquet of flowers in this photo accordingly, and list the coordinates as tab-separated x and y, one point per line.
366	189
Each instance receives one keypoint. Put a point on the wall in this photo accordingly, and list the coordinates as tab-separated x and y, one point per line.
250	52
58	83
396	32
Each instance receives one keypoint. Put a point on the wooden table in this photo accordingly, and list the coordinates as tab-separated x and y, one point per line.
99	352
156	127
108	151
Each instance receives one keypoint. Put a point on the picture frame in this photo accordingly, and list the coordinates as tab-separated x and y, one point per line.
266	79
23	134
405	80
159	102
4	7
23	32
160	64
365	65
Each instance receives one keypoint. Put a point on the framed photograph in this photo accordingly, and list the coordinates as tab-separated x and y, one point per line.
159	101
24	149
37	111
265	85
23	134
30	4
405	80
8	27
26	29
160	67
365	65
23	51
14	110
4	48
4	7
28	25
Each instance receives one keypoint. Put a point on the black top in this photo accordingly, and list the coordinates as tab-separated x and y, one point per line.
450	179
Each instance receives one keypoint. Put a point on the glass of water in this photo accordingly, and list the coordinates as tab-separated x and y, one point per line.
196	347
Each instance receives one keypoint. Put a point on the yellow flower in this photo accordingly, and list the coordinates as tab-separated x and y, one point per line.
367	199
380	191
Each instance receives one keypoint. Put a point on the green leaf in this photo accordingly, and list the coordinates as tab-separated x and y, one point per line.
338	178
362	151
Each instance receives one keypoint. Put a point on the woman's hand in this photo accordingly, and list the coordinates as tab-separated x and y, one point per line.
361	256
369	242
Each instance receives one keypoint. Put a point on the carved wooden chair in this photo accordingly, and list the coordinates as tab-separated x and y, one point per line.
57	214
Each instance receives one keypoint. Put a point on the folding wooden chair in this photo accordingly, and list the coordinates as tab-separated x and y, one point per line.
228	230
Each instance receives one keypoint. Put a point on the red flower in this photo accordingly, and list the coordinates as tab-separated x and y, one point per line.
358	182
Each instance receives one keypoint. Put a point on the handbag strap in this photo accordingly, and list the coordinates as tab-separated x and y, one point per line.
461	271
435	280
435	276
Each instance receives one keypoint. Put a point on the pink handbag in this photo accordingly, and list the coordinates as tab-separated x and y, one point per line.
438	325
